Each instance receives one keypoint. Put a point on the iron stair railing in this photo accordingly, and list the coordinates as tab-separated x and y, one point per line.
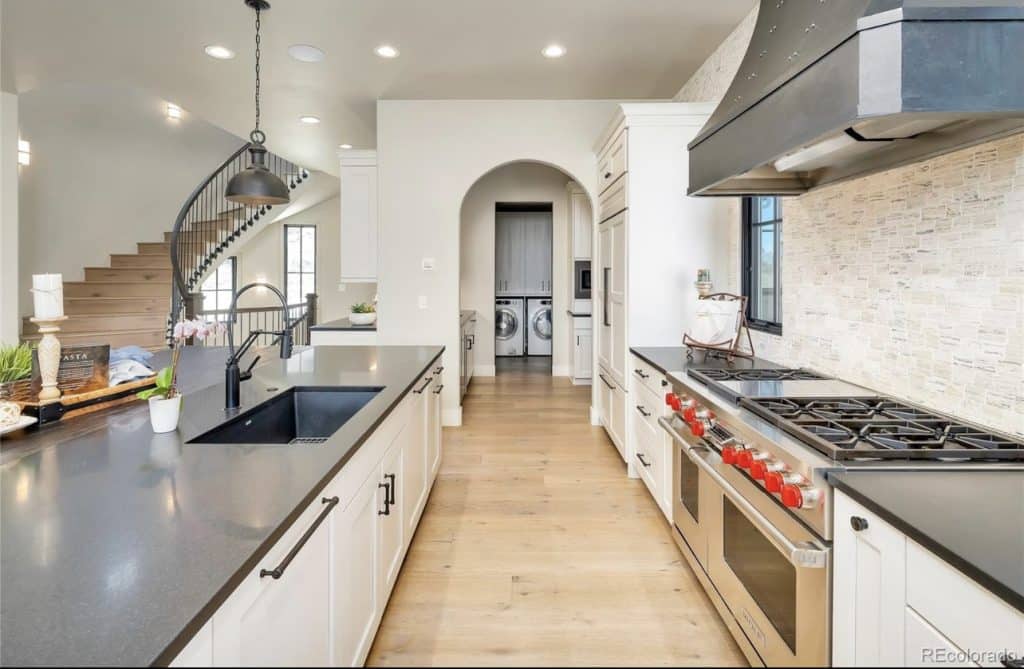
208	224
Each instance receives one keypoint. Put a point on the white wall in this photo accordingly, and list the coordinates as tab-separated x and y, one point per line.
518	182
262	258
9	310
108	170
430	152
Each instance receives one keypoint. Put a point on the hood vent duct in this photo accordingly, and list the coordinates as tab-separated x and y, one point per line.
835	89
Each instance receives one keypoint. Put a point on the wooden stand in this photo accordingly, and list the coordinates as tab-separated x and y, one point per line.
82	403
729	349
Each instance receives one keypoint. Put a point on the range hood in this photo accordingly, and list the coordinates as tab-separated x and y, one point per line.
835	89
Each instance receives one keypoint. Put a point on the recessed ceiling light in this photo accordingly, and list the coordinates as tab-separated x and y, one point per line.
386	51
306	53
173	111
219	52
309	120
345	146
553	51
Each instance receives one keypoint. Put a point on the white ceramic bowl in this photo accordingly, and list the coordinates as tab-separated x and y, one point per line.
363	319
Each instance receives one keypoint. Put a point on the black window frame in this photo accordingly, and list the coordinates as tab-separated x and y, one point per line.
231	292
316	244
749	222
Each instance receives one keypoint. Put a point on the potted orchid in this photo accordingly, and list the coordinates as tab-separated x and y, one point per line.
164	398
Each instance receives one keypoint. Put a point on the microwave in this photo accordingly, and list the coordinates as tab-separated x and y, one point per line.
581	280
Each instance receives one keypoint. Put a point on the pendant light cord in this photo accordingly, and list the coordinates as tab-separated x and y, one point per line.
257	135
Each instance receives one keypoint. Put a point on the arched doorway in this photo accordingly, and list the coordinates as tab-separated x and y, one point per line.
524	327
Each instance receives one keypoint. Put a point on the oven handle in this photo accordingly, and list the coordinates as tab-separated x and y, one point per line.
675	435
799	556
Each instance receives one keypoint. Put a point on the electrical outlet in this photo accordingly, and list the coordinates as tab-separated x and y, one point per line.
428	264
423	301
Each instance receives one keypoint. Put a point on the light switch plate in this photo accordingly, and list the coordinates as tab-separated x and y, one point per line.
423	301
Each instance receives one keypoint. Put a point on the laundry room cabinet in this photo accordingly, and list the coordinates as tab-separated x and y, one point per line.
522	257
652	239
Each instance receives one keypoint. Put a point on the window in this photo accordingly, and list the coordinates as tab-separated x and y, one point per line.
762	256
299	262
219	288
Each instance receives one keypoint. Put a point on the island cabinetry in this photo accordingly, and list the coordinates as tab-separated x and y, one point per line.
317	597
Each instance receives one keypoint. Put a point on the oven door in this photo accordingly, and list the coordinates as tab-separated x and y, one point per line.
692	492
773	573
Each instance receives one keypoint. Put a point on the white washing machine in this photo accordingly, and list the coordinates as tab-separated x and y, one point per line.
538	319
509	324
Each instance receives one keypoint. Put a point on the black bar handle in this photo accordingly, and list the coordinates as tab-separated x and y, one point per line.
387	499
439	389
391	489
426	382
640	373
640	457
278	571
606	382
645	414
438	369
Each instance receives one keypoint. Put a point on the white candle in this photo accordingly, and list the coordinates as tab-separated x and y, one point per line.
48	294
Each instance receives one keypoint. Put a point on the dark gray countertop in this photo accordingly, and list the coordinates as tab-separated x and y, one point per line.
972	519
343	324
672	359
118	544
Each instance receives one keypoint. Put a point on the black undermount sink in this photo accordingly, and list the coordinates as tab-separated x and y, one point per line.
300	415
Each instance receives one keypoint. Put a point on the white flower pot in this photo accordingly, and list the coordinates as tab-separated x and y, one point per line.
362	319
164	413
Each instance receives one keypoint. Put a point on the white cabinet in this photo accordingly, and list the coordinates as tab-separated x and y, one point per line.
611	305
581	223
897	604
467	359
318	595
358	228
651	446
537	240
281	618
613	410
355	592
583	350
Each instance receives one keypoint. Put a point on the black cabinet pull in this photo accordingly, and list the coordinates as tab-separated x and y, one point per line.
438	370
278	571
439	389
607	175
387	499
640	373
604	294
606	381
664	383
858	524
426	382
645	414
640	457
391	489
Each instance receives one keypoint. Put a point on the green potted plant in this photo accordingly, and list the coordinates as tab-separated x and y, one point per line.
363	313
15	369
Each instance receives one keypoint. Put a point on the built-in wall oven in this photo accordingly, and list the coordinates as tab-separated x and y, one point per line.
769	570
581	280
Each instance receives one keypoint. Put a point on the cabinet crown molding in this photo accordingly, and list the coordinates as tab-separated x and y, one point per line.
357	157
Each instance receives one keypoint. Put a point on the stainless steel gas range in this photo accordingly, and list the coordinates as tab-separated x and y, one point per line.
751	502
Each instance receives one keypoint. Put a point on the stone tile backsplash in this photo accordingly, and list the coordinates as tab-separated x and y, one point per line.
910	281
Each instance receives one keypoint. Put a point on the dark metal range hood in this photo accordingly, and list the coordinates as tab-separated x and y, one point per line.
835	89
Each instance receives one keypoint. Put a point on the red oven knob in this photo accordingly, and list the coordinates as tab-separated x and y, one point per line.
670	400
729	455
690	414
745	458
773	481
696	428
792	496
758	469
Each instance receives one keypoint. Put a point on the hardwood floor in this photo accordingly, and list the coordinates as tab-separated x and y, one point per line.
536	549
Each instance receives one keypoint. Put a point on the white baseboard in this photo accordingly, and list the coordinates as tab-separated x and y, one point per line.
595	417
560	370
581	382
484	370
451	417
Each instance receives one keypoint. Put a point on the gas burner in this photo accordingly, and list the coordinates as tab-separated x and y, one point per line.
779	374
881	428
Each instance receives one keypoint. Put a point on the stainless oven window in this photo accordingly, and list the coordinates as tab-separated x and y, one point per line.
766	574
689	486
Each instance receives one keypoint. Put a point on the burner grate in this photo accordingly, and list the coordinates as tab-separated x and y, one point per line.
781	374
880	427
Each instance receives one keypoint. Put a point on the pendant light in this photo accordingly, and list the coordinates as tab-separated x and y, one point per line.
256	186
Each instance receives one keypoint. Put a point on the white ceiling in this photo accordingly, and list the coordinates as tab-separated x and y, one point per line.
452	49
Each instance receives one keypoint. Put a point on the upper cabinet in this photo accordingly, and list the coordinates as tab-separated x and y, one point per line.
358	253
581	223
522	263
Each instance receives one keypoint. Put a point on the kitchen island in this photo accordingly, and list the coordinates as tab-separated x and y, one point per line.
121	545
